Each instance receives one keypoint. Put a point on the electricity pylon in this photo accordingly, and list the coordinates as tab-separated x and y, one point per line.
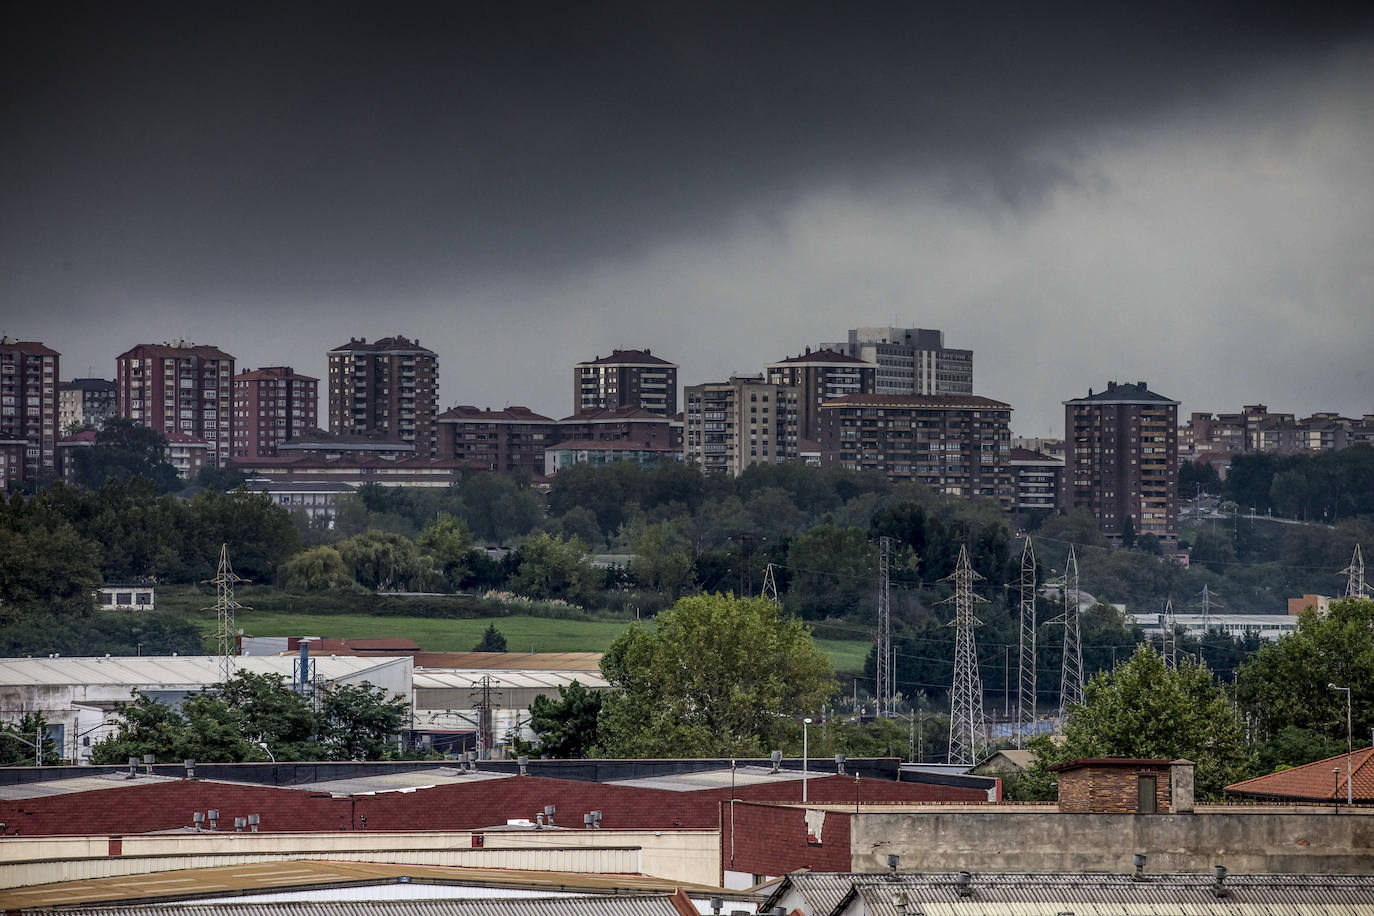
884	688
1354	583
1071	668
1025	697
967	724
226	633
1169	624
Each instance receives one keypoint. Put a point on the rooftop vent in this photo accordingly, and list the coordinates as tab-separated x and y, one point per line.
1139	861
1219	881
133	768
965	884
839	764
777	761
893	860
190	768
253	821
197	819
148	760
240	823
549	811
213	815
524	763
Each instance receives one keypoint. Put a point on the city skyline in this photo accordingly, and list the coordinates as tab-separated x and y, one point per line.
1081	196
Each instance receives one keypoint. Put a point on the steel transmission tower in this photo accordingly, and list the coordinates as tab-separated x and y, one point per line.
1207	601
1169	624
770	584
1025	698
886	680
1354	585
967	725
1071	669
226	633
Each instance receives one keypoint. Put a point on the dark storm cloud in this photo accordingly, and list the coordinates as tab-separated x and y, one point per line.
297	145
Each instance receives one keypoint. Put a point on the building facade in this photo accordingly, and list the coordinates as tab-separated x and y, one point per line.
271	405
1037	478
28	407
623	424
597	452
389	386
1123	460
910	360
179	387
955	445
496	440
85	402
728	426
819	377
626	378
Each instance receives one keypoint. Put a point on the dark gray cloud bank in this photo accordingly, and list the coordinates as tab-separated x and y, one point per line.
1183	194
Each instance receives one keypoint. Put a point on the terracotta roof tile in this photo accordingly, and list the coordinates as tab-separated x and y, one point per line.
1321	780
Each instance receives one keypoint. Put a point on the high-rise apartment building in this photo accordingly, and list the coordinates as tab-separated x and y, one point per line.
626	378
28	409
729	426
271	405
910	360
821	376
1122	460
958	445
85	402
179	387
496	440
389	386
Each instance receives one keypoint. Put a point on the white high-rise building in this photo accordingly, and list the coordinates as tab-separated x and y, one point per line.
910	360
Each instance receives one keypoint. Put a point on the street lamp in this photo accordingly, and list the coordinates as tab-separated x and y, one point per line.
1349	790
805	722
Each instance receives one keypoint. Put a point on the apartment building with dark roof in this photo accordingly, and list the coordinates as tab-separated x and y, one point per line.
1122	460
390	385
272	405
626	378
820	376
28	408
85	402
496	440
179	387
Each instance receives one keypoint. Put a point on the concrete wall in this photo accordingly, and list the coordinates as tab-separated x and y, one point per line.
1275	841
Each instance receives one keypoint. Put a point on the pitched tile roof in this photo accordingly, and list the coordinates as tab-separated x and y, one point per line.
1123	394
1321	780
821	356
516	413
628	358
271	372
181	349
398	343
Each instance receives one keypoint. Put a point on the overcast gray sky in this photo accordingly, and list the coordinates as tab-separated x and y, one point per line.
1177	193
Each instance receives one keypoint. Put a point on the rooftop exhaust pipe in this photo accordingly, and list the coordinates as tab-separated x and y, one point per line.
190	768
524	763
240	823
148	761
1139	862
839	764
549	811
213	815
253	821
777	761
133	768
539	821
197	819
965	884
1219	881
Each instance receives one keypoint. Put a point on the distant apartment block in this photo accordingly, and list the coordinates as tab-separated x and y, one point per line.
819	377
179	388
605	451
320	444
958	445
187	453
271	405
1037	478
1256	429
910	360
1123	460
496	440
1054	448
28	408
389	386
85	402
622	424
728	426
626	378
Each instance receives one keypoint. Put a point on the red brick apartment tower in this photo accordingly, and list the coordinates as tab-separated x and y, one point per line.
819	377
626	378
1122	460
179	387
272	405
390	386
28	409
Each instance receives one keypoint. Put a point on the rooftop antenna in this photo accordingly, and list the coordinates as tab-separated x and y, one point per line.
1169	624
1025	698
967	724
1355	585
1071	670
883	686
225	606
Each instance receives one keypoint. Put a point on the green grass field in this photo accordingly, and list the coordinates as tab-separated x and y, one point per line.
523	634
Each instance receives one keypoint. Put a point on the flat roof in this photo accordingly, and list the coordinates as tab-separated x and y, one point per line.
410	781
504	678
175	671
23	790
716	779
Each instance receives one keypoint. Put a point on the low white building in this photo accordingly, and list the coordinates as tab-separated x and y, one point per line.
1237	626
125	597
78	696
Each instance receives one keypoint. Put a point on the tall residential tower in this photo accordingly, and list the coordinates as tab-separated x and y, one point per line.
390	386
626	378
179	388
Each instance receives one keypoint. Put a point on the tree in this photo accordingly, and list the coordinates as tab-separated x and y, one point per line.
663	559
317	569
1285	684
832	570
125	449
449	542
493	640
359	721
45	568
718	676
385	561
1197	477
272	713
1143	709
566	727
551	567
27	742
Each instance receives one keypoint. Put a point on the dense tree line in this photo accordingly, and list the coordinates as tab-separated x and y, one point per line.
1329	486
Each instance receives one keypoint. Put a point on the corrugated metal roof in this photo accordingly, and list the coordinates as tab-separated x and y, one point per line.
1084	894
577	905
504	678
178	671
715	779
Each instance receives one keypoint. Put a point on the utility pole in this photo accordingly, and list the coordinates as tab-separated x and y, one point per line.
1169	624
1071	669
226	633
884	686
1025	678
1354	584
967	724
486	705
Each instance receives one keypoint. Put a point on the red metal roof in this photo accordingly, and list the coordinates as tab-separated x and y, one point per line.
1321	780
